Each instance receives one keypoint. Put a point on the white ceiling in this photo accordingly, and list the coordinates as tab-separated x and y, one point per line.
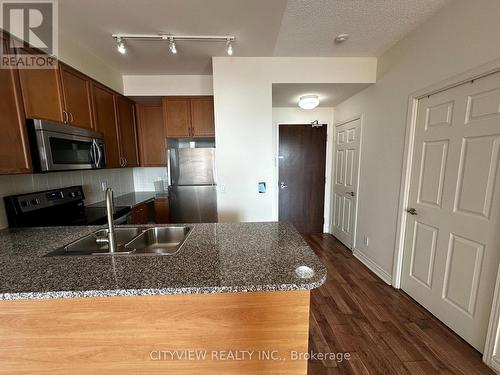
330	94
261	27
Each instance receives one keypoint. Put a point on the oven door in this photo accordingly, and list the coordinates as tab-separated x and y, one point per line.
59	152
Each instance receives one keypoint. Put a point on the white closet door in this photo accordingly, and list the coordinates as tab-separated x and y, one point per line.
345	184
452	245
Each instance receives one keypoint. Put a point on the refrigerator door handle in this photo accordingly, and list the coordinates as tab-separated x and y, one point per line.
169	174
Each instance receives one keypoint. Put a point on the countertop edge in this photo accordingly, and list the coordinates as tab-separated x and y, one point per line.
158	292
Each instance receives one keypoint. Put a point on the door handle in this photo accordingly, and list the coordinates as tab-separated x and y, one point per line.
351	193
283	185
412	211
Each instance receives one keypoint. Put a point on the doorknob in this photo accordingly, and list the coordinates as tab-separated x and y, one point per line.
282	185
412	211
351	193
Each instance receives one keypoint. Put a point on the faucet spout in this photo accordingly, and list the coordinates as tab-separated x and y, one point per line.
110	209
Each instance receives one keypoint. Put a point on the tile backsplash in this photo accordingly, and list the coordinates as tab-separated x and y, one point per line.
121	180
145	178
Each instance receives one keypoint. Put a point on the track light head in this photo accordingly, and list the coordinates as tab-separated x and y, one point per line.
171	45
229	47
120	46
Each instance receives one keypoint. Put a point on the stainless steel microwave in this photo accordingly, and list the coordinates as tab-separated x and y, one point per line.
60	147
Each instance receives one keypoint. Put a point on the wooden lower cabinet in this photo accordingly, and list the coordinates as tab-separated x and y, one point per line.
130	335
141	214
162	211
14	145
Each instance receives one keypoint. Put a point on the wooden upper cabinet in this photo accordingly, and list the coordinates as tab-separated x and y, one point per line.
202	117
42	96
189	117
177	113
77	97
14	145
127	130
151	131
105	120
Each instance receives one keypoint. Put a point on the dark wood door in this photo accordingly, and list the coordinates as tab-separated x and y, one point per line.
42	95
151	130
202	117
128	135
105	119
77	97
302	154
14	148
177	117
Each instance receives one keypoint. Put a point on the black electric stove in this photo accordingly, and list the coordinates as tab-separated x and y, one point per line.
57	207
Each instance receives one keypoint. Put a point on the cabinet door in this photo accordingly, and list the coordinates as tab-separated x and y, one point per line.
177	117
162	211
105	119
202	117
128	135
151	135
14	148
77	97
42	95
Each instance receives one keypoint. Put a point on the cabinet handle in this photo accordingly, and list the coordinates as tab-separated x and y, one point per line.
71	119
125	162
65	117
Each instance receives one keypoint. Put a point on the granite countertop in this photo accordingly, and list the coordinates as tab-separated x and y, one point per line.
132	199
216	258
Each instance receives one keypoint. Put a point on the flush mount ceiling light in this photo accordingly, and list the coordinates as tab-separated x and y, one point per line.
120	46
341	38
308	101
228	39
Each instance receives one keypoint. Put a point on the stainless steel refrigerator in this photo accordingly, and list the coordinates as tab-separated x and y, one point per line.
192	188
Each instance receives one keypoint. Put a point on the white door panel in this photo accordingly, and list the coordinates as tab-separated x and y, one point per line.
452	244
345	187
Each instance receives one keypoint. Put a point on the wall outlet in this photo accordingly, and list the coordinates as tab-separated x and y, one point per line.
222	188
366	240
104	185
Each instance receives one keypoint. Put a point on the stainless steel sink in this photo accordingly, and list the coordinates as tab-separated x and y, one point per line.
159	240
129	240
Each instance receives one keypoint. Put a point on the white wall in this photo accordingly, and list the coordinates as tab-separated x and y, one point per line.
244	128
463	35
77	56
165	85
121	180
295	115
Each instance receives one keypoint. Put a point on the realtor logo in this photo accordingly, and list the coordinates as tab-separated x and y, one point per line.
32	26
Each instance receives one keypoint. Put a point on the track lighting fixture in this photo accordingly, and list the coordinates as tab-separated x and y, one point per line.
172	39
120	46
171	45
229	48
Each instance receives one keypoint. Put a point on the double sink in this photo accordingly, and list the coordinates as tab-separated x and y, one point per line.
129	241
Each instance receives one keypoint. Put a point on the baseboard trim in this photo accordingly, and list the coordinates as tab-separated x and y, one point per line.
374	267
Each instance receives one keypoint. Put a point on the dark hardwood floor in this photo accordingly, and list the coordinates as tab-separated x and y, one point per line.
382	328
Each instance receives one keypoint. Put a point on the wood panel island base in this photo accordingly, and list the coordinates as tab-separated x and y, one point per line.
236	333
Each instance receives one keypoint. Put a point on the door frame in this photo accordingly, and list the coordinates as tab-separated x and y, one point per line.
332	202
327	212
409	146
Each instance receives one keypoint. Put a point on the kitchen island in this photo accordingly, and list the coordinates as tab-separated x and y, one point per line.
151	314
